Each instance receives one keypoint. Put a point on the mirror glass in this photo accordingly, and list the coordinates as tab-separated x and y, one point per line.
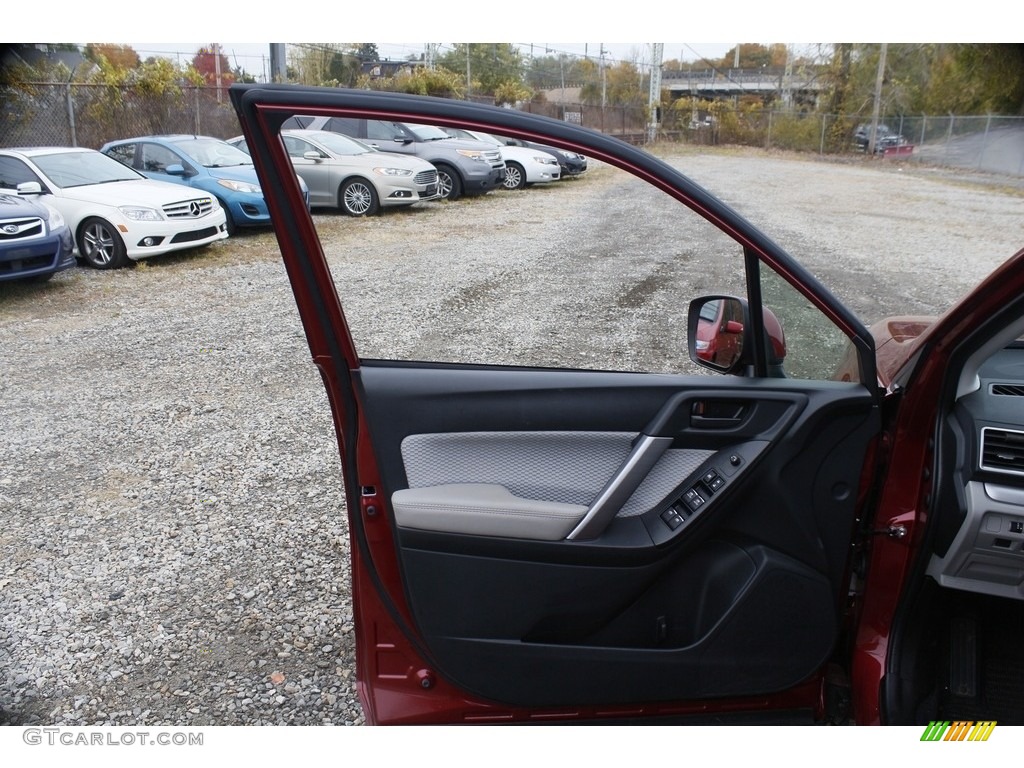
718	340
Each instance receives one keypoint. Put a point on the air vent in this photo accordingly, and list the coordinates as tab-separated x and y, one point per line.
1015	390
1002	450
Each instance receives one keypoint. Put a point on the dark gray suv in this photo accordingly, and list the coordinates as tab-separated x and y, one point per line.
464	167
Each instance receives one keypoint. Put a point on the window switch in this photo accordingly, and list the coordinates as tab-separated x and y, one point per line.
693	499
672	518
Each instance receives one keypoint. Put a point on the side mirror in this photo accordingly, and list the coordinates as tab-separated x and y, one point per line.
718	340
716	337
312	155
175	169
30	188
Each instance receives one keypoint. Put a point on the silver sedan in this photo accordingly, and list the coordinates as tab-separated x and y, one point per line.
345	173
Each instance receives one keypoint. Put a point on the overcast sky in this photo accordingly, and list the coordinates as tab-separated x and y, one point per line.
108	21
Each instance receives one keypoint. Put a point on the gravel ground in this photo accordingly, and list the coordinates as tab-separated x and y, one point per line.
173	548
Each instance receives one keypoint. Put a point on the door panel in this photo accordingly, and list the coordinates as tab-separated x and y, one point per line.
741	598
529	538
727	620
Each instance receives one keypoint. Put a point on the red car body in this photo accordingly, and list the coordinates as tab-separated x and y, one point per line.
794	590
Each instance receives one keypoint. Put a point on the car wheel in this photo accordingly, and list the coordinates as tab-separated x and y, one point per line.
100	245
357	197
449	185
515	176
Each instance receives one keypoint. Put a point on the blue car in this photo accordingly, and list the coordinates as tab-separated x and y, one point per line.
35	243
202	162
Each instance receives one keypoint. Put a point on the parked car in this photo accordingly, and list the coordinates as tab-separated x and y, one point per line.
523	165
463	167
538	544
572	164
115	213
200	162
347	174
35	242
885	137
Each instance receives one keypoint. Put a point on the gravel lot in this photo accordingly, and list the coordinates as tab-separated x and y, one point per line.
173	548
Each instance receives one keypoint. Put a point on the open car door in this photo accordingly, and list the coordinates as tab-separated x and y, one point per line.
539	541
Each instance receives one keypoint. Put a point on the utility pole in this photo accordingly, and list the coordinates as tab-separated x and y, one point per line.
654	91
879	78
216	69
604	80
278	70
787	80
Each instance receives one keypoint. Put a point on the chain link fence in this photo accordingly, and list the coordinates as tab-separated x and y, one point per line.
987	143
628	123
86	115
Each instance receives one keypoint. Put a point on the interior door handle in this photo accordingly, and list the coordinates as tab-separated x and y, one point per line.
717	414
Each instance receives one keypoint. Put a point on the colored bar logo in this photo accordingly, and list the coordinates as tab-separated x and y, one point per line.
960	730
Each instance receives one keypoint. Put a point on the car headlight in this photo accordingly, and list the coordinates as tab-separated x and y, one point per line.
472	154
241	186
545	160
56	219
701	345
393	171
136	213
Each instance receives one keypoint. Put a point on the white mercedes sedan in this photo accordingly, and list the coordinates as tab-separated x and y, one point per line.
115	214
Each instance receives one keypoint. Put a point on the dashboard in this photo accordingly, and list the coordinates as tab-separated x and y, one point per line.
980	544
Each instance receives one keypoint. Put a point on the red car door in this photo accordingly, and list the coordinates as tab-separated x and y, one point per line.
564	542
